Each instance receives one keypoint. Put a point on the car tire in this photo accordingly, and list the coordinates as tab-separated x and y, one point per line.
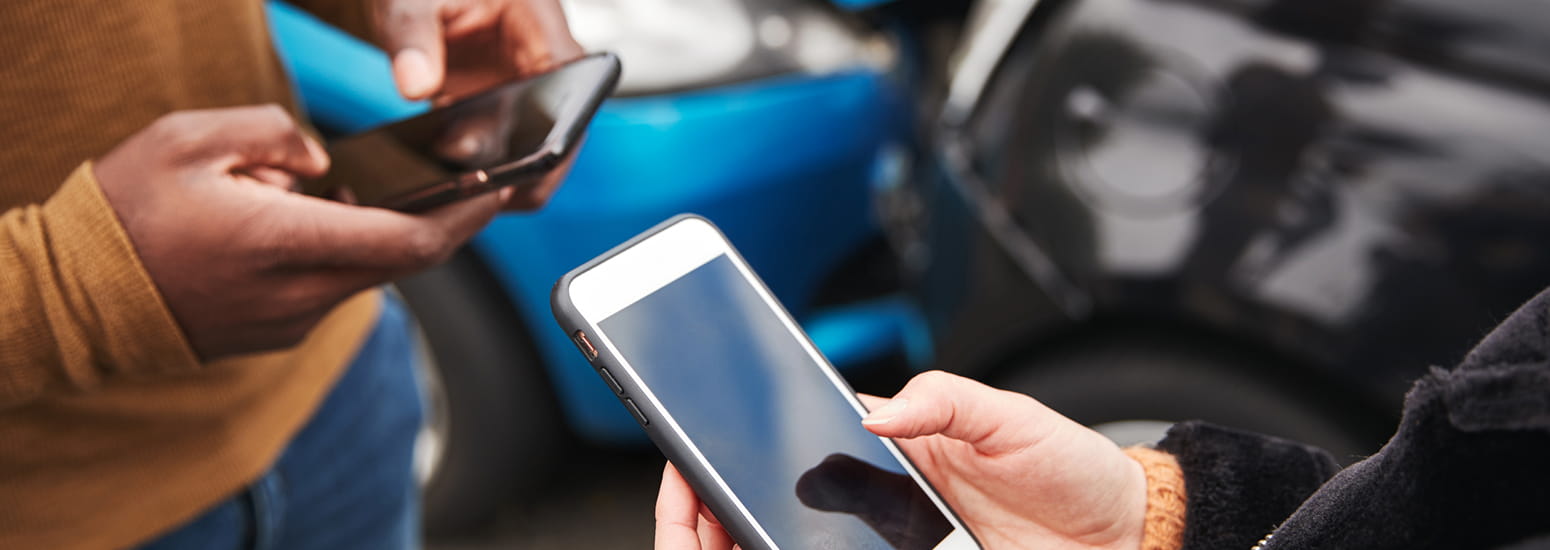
1132	387
489	399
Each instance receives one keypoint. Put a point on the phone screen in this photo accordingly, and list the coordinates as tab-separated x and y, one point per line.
783	436
505	132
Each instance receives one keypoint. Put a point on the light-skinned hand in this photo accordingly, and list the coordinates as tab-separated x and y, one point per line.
683	523
1017	473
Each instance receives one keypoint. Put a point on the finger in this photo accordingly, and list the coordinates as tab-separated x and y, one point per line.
246	137
371	244
414	34
533	197
345	195
677	513
707	516
273	177
713	536
871	402
460	220
994	421
537	37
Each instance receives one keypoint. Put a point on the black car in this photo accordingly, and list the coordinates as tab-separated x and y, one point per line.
1272	214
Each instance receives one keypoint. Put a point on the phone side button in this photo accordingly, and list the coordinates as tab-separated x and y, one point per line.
609	378
630	404
584	344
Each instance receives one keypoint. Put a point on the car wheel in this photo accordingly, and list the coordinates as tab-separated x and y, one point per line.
493	427
1132	388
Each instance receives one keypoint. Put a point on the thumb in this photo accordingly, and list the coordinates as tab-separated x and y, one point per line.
367	245
413	35
995	422
247	138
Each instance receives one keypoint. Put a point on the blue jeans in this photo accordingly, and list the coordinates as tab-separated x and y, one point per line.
345	482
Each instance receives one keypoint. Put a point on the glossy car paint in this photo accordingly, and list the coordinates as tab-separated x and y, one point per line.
1361	186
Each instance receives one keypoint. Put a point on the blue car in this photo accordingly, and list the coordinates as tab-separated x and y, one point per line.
775	119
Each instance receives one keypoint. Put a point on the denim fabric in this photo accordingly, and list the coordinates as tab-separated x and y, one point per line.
345	482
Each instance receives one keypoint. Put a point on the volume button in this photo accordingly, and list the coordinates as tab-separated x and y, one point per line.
609	378
634	410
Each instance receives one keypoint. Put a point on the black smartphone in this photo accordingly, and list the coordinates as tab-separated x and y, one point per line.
512	134
734	393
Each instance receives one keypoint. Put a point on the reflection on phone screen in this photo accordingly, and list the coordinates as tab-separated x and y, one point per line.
767	418
882	499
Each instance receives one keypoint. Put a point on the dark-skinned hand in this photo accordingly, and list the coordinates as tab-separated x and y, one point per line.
244	263
449	49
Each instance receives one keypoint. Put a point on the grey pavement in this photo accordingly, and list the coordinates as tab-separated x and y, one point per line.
603	500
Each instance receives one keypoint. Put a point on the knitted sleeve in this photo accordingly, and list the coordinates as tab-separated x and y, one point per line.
75	303
1165	499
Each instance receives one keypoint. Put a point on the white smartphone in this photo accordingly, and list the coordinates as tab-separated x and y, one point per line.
738	398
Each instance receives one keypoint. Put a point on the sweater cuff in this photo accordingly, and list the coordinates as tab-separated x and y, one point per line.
126	322
1165	499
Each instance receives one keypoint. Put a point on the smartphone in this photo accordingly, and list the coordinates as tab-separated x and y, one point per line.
513	134
738	398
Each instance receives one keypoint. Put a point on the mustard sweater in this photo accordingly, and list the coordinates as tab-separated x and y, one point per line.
111	432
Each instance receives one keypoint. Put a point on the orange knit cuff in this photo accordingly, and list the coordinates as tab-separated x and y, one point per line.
120	313
1165	499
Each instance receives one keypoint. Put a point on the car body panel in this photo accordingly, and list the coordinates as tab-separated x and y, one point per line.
1306	177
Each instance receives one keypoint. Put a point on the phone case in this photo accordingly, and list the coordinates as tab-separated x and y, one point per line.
676	449
524	171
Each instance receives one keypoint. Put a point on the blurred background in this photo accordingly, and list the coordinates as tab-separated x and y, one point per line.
1269	214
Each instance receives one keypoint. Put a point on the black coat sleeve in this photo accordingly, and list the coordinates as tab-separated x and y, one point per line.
1240	485
1469	466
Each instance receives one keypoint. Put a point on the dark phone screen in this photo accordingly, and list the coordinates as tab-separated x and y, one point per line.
784	438
490	131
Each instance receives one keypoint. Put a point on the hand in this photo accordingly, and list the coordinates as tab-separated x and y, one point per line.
1018	474
682	522
449	49
244	263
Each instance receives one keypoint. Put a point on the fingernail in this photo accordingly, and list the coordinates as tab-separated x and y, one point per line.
414	72
506	193
886	413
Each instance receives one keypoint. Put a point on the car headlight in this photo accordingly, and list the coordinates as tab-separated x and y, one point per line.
668	45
